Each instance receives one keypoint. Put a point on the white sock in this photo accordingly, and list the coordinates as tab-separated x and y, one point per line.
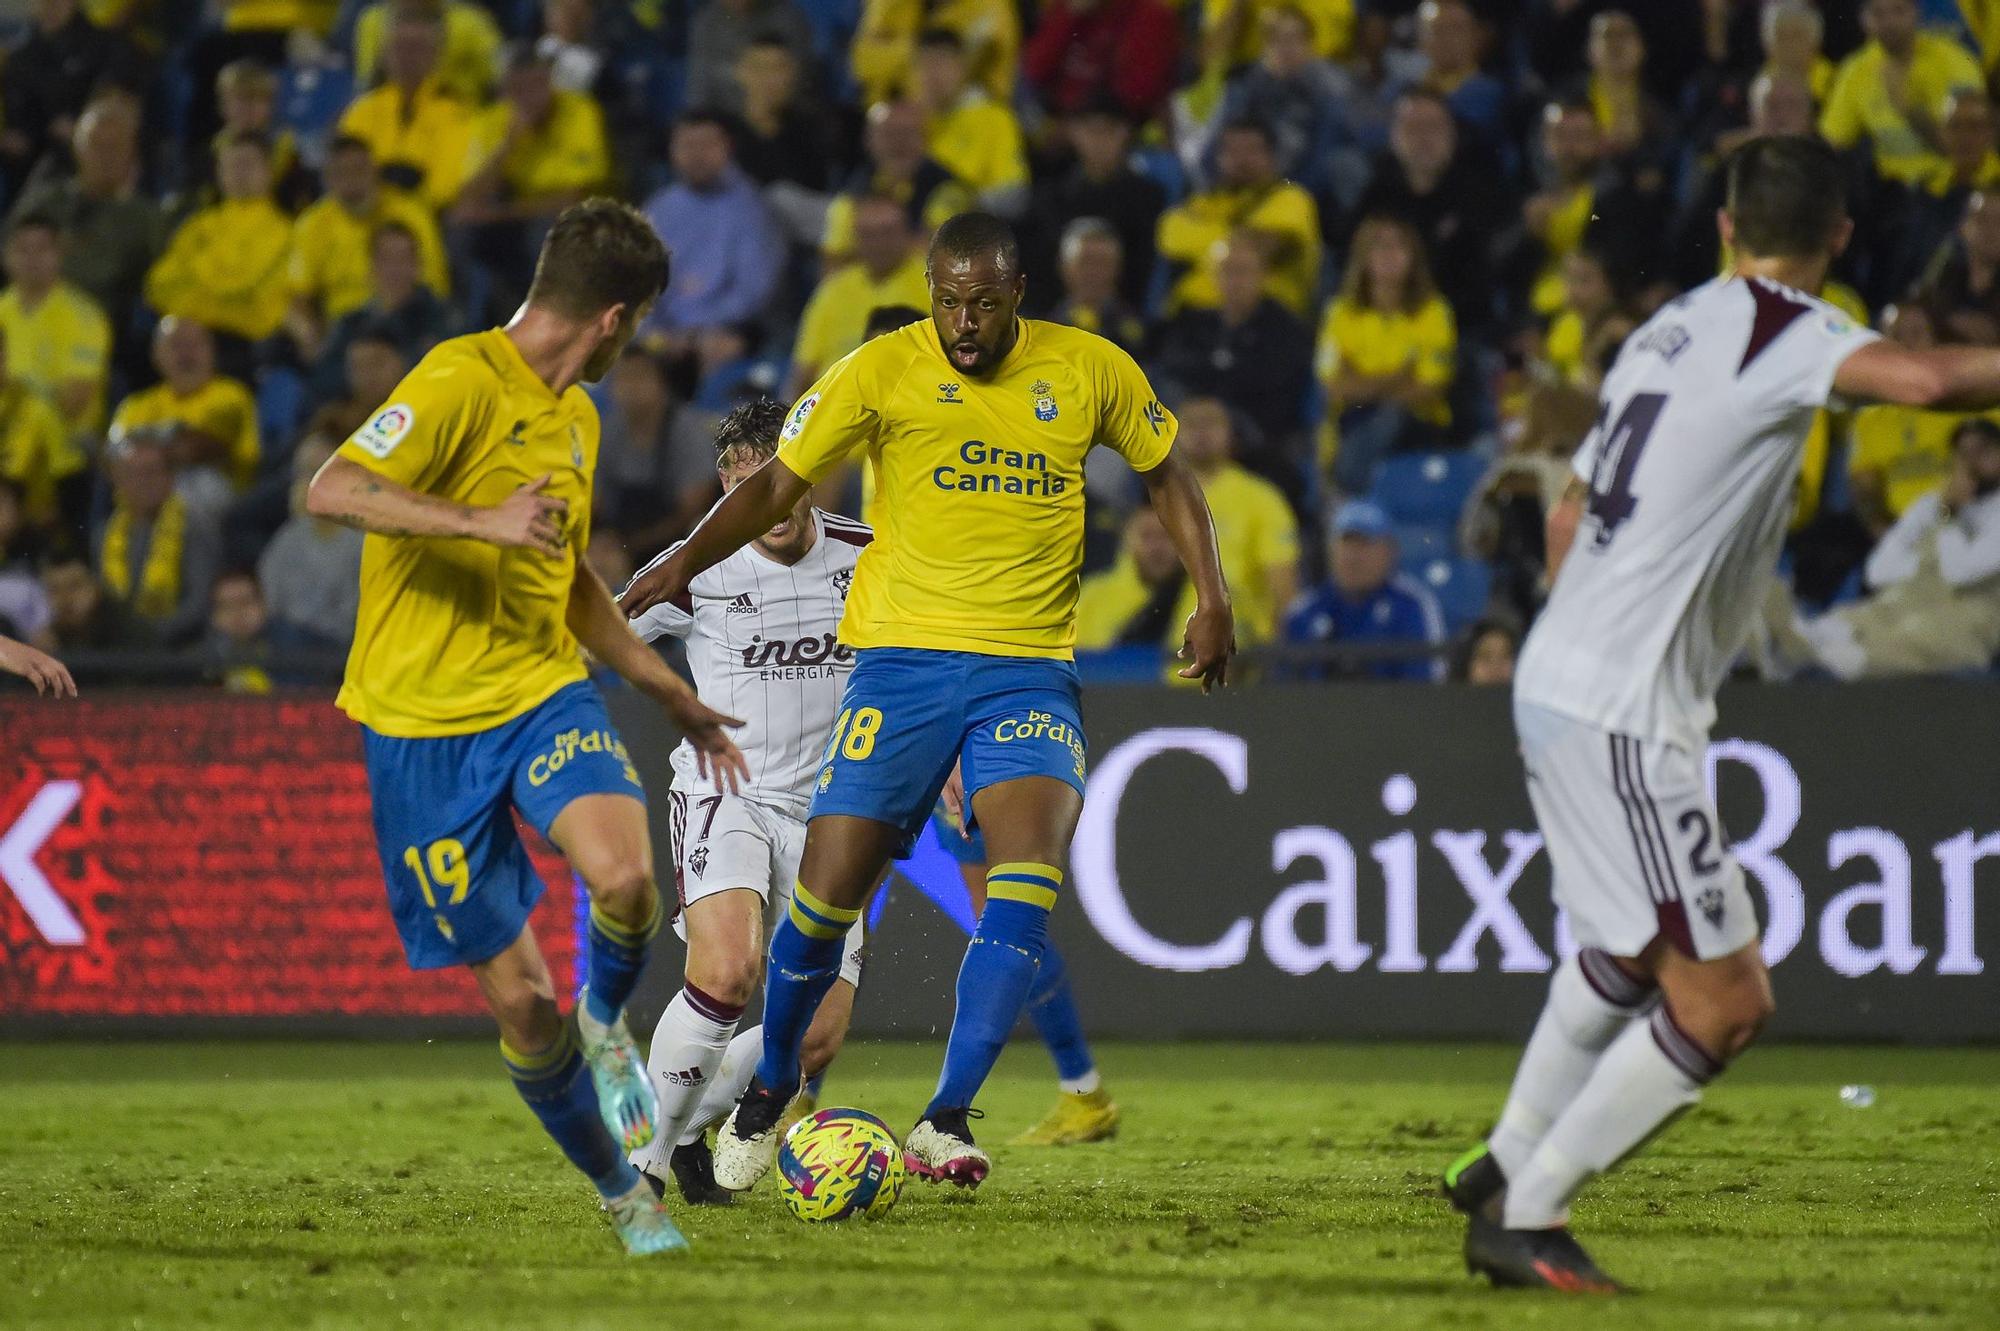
731	1079
1083	1085
688	1047
1650	1073
1591	999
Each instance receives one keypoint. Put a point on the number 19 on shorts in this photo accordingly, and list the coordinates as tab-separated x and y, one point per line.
854	734
446	861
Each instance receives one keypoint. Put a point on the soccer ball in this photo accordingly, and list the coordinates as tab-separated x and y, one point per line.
838	1163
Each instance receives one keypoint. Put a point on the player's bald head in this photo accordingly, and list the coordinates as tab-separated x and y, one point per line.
971	237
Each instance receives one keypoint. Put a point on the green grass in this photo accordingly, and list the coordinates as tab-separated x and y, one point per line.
284	1185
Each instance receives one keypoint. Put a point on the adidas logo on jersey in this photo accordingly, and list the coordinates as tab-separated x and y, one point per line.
742	605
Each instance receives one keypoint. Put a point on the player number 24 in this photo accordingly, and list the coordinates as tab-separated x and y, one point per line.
854	733
446	860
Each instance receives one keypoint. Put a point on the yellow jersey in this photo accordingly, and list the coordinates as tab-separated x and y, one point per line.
465	66
458	636
35	451
837	315
981	481
222	409
1378	342
1910	448
1860	106
1255	533
1332	26
1191	236
433	138
979	141
567	153
885	43
225	267
61	340
332	261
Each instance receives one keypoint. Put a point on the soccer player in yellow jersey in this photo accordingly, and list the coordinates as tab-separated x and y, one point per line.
473	484
963	612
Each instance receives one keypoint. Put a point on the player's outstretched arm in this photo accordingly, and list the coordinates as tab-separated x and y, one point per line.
344	491
47	674
753	507
593	617
1941	378
1211	630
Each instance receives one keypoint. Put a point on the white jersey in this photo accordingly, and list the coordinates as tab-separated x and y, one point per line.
763	643
1692	468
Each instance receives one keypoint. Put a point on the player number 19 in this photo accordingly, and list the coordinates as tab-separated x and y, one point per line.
854	733
447	869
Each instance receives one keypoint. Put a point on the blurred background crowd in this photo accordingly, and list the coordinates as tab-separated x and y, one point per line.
1377	254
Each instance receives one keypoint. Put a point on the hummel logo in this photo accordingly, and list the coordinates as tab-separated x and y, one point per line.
686	1077
514	435
742	605
949	393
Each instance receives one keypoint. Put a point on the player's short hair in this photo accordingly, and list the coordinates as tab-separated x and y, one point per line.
970	235
599	253
749	432
1786	196
888	318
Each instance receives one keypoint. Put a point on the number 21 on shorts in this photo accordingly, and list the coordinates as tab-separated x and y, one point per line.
445	860
854	733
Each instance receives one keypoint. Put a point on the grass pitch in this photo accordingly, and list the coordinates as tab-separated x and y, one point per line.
1272	1186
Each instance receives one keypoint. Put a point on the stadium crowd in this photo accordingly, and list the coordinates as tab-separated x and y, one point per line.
1376	254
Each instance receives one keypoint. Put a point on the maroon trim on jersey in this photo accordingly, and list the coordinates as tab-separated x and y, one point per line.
846	529
1775	313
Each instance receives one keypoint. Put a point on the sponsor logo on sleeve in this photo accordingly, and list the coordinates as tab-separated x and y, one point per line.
379	437
799	414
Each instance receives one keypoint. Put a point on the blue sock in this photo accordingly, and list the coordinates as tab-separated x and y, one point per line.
806	949
1053	1010
617	955
814	1084
994	980
557	1087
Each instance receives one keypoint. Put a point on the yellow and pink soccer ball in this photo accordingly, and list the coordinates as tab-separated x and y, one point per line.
838	1163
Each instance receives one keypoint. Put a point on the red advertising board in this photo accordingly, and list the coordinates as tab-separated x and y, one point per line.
188	855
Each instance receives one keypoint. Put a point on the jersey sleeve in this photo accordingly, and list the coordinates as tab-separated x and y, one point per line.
836	418
668	619
412	437
1130	419
1822	346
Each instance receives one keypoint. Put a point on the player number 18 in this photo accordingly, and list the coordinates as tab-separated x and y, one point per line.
854	733
447	869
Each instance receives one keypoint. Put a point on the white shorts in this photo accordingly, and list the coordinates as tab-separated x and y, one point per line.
724	842
1633	839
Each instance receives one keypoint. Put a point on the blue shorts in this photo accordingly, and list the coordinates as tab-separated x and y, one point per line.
460	881
909	713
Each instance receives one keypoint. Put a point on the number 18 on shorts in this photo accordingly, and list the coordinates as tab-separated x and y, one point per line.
909	713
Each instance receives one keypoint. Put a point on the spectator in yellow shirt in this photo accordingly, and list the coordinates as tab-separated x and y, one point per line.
331	242
885	43
965	130
1255	532
1132	603
1591	324
1388	352
471	45
1232	31
548	148
247	93
422	137
1891	91
1556	215
899	167
225	266
60	338
37	454
216	418
889	270
1248	197
1899	454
